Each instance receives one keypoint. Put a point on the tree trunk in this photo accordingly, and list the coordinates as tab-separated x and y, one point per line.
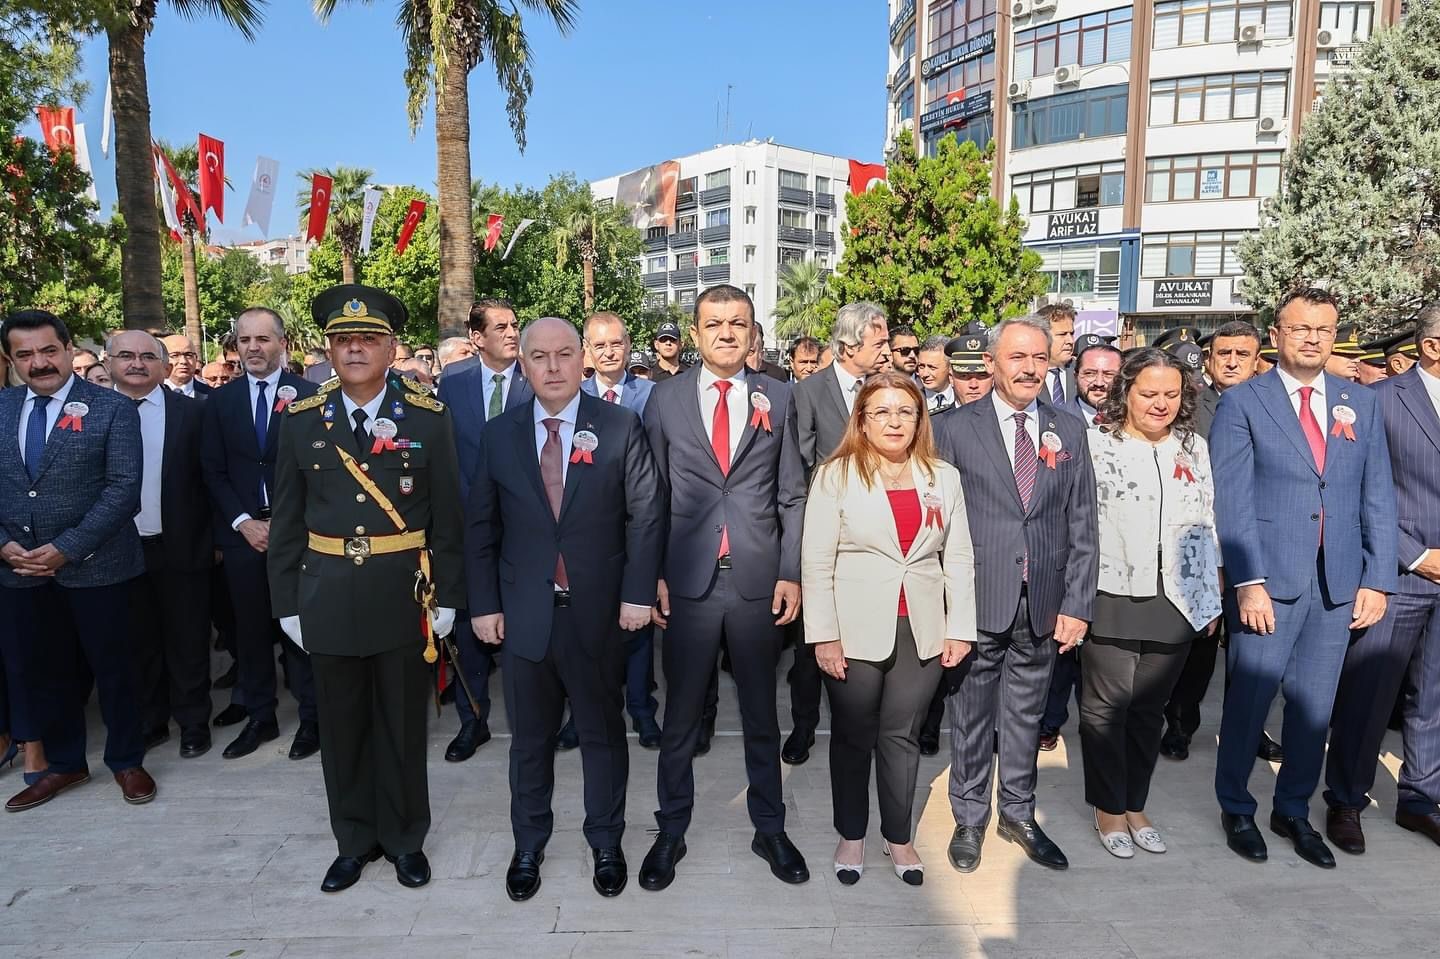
589	268
457	234
140	296
192	290
347	266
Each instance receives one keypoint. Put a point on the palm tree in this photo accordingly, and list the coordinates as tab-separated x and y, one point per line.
186	161
590	227
798	312
440	52
347	210
127	24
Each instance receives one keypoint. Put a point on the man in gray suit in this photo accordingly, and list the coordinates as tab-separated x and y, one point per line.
1030	495
860	341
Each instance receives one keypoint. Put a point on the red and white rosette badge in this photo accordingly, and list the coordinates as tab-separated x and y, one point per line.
1049	445
284	396
932	502
383	431
584	446
74	417
761	404
1184	468
1344	418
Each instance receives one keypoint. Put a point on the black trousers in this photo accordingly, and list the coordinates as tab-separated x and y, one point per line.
477	661
372	749
691	647
804	678
1126	684
256	633
535	695
20	711
878	709
1183	709
170	635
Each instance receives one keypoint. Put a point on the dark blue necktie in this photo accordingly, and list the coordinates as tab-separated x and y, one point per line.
1057	389
262	415
35	435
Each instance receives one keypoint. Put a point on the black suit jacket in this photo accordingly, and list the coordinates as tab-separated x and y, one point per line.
185	513
1205	406
232	464
818	417
609	530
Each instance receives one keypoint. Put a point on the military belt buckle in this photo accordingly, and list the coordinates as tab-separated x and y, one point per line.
357	548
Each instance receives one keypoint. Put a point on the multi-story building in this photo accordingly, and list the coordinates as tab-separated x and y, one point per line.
742	212
291	252
1139	138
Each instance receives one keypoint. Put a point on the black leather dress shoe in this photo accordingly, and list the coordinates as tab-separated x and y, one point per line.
929	742
797	747
251	738
1175	745
522	879
786	863
1027	834
345	871
707	733
1243	836
230	715
1426	824
964	851
568	738
1342	826
412	869
158	736
194	741
1269	750
1308	844
472	735
658	869
649	732
610	871
307	741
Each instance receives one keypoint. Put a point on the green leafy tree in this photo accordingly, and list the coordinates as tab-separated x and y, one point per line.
347	211
934	248
800	309
589	229
221	289
1360	208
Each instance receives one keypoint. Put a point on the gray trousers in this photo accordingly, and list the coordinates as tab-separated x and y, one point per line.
1001	690
878	708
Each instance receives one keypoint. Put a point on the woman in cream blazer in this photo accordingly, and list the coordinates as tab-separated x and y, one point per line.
888	576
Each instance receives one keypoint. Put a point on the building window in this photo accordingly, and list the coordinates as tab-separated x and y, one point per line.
1071	188
749	254
749	215
977	130
905	49
1214	176
656	301
750	290
1187	23
714	181
1351	22
750	178
685	224
656	264
973	77
905	109
1191	254
952	23
685	299
822	223
685	189
655	233
720	217
822	184
1081	115
1219	97
822	260
793	180
795	218
790	255
1087	41
718	256
687	260
1088	269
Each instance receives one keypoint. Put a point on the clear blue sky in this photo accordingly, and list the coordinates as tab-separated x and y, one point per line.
636	82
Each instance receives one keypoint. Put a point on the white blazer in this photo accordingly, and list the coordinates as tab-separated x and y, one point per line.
852	569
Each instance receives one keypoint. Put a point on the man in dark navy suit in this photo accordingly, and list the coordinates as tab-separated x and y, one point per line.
241	435
563	545
184	367
477	390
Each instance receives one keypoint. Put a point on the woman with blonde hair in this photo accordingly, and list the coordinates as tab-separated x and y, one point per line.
889	583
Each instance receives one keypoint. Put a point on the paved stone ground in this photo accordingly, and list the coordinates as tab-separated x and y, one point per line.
226	863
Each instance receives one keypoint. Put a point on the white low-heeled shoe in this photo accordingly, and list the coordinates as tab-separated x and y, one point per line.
913	875
1117	844
1147	838
849	874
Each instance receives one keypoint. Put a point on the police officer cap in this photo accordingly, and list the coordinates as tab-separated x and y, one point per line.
1189	354
967	353
638	359
354	308
1176	335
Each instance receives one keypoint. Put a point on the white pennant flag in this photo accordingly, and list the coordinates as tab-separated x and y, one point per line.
372	206
167	196
262	194
82	160
524	224
105	122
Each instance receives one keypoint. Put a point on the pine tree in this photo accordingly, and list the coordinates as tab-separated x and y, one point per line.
933	247
1359	212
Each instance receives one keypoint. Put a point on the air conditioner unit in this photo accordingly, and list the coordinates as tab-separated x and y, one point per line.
1326	40
1269	124
1252	33
1043	6
1066	74
1020	8
1018	90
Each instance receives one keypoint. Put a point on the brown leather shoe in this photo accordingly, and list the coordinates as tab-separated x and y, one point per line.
50	786
1426	824
136	785
1049	739
1343	828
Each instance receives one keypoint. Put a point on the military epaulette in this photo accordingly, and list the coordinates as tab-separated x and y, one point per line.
425	402
333	383
308	403
415	386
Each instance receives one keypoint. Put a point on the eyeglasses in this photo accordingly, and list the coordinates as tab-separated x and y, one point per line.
184	356
905	414
1307	332
906	350
427	357
126	356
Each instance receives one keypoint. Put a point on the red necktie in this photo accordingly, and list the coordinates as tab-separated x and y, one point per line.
1311	428
609	396
552	474
720	443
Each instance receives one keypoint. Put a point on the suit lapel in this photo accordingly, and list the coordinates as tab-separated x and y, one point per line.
1413	395
690	409
13	399
754	383
583	421
172	429
59	438
837	395
529	460
1045	475
1277	403
987	431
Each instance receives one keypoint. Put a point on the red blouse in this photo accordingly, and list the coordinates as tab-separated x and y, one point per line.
905	504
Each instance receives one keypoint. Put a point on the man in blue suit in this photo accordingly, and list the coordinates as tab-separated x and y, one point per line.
69	489
477	390
609	344
1305	508
1401	653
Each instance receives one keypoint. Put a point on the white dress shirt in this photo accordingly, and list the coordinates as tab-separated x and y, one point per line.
735	404
187	390
601	388
272	382
1006	414
487	385
152	446
1317	398
948	393
52	412
1432	388
849	385
1088	411
567	418
1054	377
371	408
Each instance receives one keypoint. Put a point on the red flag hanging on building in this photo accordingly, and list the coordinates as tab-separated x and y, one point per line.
212	176
492	230
58	125
412	220
865	175
184	199
320	187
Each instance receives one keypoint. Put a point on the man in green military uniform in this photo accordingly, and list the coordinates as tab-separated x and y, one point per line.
366	570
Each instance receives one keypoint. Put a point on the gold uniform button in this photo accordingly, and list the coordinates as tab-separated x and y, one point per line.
359	497
359	531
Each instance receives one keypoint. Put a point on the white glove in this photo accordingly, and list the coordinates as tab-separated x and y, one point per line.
291	626
442	620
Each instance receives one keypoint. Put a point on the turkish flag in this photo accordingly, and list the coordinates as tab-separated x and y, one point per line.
212	176
864	175
58	125
412	220
184	199
320	187
492	230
